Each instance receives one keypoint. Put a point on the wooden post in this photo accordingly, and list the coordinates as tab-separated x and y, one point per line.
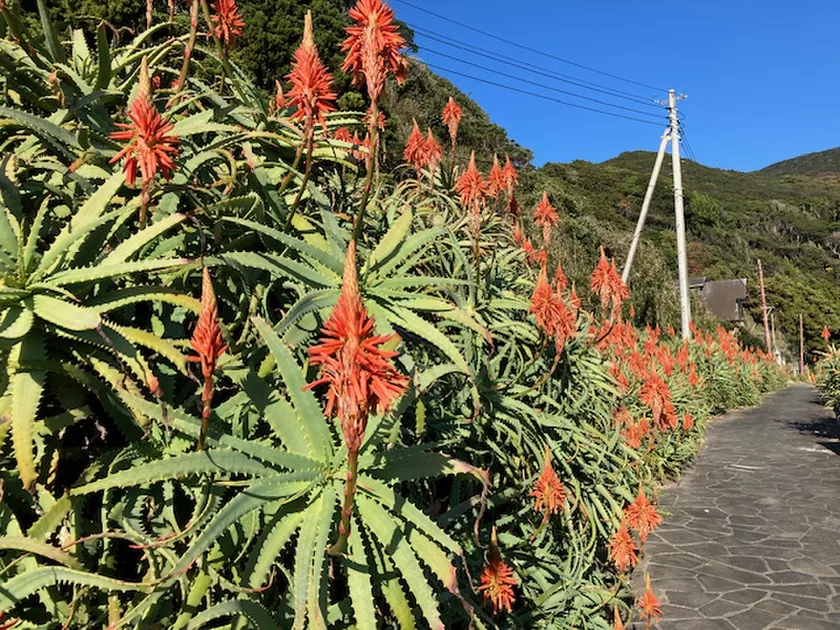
801	346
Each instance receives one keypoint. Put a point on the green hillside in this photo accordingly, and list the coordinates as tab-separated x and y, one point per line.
817	164
791	222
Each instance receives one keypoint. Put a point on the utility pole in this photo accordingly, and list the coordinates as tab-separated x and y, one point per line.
764	308
801	346
634	245
682	255
672	133
775	343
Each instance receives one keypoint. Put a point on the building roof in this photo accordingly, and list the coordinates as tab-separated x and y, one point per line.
724	298
696	283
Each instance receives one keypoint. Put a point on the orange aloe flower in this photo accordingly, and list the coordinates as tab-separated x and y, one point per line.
373	47
545	216
227	22
152	145
560	280
574	300
633	434
496	183
357	371
623	549
511	176
342	134
362	151
826	333
433	151
311	92
415	148
208	342
693	380
543	304
497	580
452	118
608	285
621	417
656	395
528	248
682	358
381	121
688	422
618	624
649	606
472	187
552	315
548	490
642	516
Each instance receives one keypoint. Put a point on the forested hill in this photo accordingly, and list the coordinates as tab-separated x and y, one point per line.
818	164
791	222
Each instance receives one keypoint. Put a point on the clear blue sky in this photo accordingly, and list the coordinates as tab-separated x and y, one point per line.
762	76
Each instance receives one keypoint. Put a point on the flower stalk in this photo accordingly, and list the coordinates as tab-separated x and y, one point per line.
209	344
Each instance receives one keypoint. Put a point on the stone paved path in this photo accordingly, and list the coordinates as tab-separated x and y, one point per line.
752	541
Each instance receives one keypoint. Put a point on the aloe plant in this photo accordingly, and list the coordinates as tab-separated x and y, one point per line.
113	518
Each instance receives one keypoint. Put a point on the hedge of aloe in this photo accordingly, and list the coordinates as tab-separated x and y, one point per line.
250	380
827	376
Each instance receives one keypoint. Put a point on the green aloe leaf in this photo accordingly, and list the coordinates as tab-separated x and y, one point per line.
211	461
312	421
26	388
38	548
257	616
22	586
396	545
50	34
15	322
64	314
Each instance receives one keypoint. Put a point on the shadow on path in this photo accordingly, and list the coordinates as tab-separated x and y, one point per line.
751	538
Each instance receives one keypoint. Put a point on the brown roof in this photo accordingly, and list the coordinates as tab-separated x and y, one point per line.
724	298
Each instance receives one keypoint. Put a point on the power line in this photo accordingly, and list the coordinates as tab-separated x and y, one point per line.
534	69
529	48
542	96
540	85
686	143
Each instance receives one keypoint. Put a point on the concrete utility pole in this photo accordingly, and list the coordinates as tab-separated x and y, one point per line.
767	345
634	245
672	133
801	346
682	255
775	342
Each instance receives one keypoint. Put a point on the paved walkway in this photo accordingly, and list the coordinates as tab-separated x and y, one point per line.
751	538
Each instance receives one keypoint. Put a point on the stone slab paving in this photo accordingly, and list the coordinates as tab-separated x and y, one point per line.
751	538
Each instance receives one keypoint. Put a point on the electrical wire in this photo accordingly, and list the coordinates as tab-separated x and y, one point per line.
528	67
684	140
540	85
529	48
541	96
